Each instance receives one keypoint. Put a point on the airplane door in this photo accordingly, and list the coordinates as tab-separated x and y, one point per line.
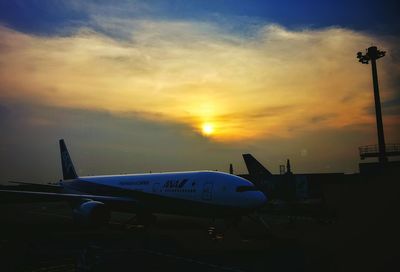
207	191
156	187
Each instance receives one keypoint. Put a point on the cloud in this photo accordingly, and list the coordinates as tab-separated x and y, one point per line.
274	82
104	143
100	143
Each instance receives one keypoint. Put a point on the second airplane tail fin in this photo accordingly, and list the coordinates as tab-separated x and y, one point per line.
66	162
254	167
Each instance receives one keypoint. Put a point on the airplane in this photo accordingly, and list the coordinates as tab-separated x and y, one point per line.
291	194
197	193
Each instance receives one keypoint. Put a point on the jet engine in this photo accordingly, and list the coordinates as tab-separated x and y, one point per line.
91	214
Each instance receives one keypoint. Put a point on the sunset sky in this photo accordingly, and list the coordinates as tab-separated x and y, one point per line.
138	86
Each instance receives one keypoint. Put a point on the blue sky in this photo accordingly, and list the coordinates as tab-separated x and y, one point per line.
48	17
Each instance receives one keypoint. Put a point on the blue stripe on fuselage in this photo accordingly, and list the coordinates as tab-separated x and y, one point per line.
154	203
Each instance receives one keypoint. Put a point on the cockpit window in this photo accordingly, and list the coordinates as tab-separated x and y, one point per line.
246	188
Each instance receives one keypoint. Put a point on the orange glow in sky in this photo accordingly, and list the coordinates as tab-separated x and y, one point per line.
279	83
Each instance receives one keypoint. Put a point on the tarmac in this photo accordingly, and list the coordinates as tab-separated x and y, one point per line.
363	236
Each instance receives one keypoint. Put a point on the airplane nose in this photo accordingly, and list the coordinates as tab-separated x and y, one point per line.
261	198
256	199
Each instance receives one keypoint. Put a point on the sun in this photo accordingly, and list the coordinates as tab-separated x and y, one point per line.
207	129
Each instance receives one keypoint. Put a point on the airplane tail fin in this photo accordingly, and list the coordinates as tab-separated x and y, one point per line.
66	162
255	168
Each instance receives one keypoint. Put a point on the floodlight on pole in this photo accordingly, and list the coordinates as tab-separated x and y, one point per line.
372	55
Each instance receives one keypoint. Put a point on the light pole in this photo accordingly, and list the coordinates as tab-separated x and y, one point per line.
372	55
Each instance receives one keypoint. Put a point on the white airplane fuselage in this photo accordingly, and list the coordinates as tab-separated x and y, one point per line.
200	193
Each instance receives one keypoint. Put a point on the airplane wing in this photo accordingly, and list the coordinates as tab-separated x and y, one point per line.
39	187
14	196
35	184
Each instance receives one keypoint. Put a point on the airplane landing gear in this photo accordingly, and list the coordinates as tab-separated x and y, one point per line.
218	229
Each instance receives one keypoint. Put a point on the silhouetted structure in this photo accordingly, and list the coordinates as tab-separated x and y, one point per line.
288	168
369	151
372	55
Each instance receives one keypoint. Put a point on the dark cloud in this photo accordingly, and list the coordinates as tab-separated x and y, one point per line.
322	118
348	98
392	106
270	111
389	107
100	143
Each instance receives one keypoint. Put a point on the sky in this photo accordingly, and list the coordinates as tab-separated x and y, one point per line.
139	86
